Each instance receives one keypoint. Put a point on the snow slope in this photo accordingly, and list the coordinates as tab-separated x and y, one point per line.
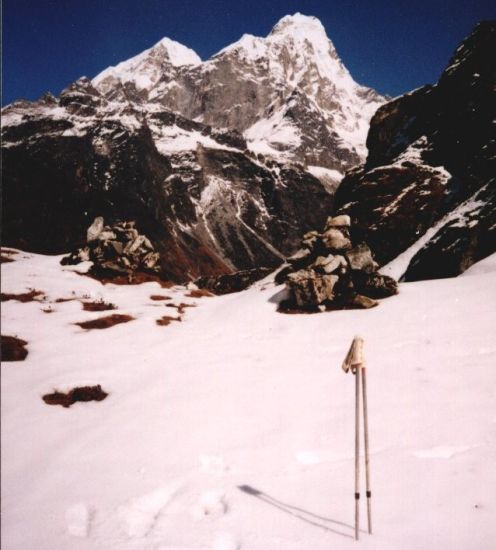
233	429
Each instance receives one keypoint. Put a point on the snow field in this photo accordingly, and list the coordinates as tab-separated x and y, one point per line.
233	429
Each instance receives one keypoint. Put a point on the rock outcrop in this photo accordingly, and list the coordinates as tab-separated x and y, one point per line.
330	272
116	249
429	180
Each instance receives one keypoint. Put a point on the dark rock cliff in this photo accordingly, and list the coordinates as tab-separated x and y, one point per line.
432	162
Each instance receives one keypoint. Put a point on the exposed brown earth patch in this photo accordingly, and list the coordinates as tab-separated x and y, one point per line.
199	293
135	278
180	307
105	322
98	305
158	297
24	297
62	300
13	349
167	320
6	255
83	393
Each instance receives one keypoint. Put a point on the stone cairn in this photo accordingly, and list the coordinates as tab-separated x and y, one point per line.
330	272
118	249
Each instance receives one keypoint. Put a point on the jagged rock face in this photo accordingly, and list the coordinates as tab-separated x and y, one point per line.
288	93
208	205
430	172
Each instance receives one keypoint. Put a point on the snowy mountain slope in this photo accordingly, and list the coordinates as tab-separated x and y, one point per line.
252	83
429	177
239	434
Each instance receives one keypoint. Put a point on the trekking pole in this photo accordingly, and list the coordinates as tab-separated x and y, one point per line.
367	459
357	451
354	361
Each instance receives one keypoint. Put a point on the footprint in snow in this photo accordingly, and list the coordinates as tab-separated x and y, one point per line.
210	504
441	452
78	520
139	515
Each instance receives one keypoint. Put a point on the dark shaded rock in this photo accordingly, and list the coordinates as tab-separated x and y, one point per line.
300	258
335	240
359	301
432	160
360	258
282	274
13	349
374	285
232	282
467	237
330	264
311	289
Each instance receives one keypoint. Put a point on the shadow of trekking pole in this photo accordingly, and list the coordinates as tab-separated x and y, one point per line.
303	515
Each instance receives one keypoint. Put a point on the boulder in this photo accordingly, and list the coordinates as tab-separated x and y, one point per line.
310	239
311	289
360	258
375	285
335	239
338	221
301	258
330	264
359	301
95	229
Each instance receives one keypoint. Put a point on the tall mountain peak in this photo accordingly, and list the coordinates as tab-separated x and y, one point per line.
299	22
177	53
146	68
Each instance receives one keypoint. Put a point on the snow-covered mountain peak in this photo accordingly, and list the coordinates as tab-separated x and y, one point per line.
178	54
248	47
304	39
146	68
299	22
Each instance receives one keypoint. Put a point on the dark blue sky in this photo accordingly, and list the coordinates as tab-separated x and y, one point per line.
392	46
